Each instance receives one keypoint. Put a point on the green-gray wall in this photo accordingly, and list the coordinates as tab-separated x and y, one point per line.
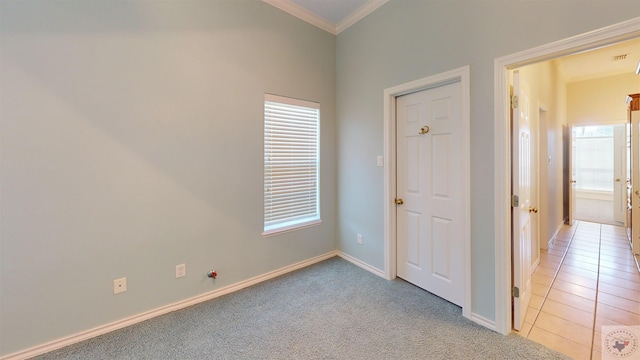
131	141
406	40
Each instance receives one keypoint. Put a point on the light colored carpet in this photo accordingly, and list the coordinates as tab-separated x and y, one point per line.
331	310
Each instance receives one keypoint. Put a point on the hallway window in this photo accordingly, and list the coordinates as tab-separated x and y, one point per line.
593	162
291	164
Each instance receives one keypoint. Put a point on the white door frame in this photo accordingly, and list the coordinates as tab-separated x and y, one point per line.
461	74
620	167
502	227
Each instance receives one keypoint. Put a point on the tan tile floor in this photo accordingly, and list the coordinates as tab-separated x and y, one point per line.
587	280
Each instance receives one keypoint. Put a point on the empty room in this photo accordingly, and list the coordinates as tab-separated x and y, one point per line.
236	179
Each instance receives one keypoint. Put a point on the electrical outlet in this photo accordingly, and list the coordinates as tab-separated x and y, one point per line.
119	285
181	270
359	239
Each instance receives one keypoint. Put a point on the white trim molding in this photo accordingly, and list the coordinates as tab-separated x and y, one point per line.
552	241
119	324
481	320
364	10
362	264
462	75
303	14
502	227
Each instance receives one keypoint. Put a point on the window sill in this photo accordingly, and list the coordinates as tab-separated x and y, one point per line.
290	228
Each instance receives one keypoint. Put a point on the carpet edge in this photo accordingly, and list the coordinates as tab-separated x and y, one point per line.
132	320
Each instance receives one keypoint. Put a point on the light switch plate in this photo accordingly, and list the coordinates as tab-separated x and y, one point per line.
181	270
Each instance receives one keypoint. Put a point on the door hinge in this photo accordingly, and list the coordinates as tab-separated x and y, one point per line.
515	201
514	101
516	292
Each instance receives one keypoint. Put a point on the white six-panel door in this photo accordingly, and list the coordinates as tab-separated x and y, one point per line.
430	234
521	183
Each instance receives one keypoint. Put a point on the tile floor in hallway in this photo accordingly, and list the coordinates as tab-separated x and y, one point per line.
587	280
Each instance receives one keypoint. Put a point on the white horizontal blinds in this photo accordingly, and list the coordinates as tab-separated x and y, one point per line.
291	162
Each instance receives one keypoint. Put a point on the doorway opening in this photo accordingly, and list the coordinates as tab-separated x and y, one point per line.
607	36
601	173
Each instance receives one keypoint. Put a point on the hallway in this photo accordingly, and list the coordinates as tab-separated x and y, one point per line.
587	280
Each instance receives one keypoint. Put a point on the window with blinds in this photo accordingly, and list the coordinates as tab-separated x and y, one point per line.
291	164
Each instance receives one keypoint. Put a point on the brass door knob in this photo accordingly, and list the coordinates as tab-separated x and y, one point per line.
399	201
533	210
424	130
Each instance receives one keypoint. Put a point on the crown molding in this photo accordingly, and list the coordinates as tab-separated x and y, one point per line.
364	10
303	14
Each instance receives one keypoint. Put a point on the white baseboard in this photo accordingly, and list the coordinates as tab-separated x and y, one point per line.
551	241
362	265
100	330
489	324
535	264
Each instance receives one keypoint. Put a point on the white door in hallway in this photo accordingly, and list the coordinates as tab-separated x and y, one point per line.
568	174
620	173
521	174
430	249
635	181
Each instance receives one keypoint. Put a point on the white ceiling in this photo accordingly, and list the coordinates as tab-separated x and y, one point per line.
600	62
336	16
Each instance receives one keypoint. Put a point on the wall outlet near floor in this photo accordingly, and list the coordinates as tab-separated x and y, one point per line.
181	270
359	239
119	285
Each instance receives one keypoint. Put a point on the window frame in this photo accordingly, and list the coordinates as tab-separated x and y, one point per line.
298	221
